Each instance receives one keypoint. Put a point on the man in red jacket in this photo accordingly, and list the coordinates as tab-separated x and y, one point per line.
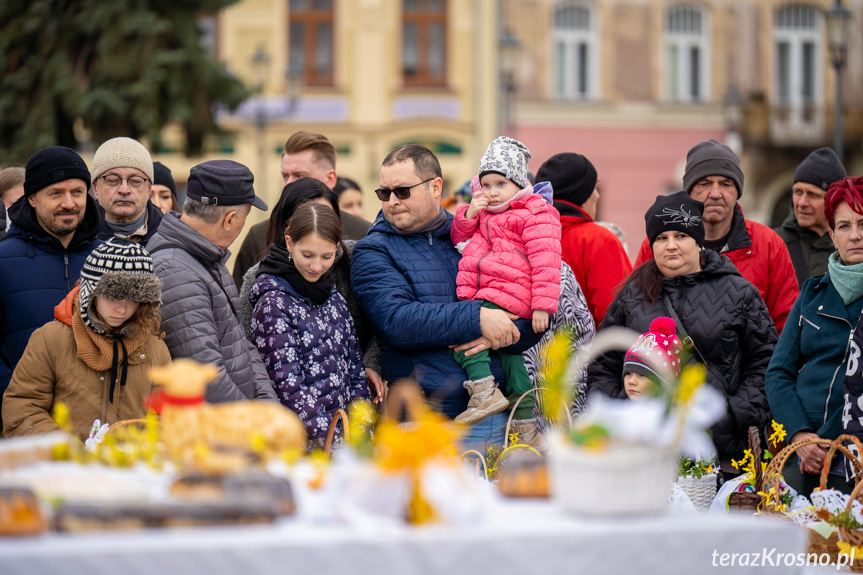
713	176
593	252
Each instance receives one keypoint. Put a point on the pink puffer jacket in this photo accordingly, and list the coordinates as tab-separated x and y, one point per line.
513	258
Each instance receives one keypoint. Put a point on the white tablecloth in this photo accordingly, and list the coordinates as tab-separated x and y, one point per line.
518	537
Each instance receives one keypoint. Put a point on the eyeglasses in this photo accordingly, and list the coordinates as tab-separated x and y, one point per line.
401	193
134	182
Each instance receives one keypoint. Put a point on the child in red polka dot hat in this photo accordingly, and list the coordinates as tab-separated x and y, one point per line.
655	357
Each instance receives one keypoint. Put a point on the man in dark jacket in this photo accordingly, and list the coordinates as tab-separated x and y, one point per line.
404	276
54	227
199	299
122	176
306	154
713	176
805	228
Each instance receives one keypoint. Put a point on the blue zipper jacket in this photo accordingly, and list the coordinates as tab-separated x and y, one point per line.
36	273
805	375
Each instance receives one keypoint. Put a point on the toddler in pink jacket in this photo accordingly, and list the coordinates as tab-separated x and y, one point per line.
512	262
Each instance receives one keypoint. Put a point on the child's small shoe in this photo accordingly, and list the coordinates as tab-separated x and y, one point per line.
528	433
485	400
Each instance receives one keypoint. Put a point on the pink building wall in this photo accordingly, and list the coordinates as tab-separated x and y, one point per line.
634	165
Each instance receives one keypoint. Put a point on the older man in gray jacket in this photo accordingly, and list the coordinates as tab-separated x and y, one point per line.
199	297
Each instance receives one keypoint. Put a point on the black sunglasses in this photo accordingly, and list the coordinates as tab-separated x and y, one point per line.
401	193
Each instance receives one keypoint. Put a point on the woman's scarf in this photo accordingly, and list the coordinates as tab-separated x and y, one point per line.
847	279
280	263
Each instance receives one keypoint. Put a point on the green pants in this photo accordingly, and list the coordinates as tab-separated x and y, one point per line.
516	379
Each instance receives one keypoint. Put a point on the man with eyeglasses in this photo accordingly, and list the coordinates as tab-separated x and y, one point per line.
54	227
122	177
404	276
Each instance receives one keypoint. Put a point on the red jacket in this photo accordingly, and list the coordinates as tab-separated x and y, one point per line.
762	258
595	255
513	258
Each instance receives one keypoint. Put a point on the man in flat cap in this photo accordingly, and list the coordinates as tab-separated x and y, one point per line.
199	297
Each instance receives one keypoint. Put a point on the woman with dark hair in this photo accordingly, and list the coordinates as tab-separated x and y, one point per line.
301	324
722	313
805	376
350	196
293	196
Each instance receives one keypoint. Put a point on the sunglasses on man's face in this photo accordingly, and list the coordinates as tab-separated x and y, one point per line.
402	193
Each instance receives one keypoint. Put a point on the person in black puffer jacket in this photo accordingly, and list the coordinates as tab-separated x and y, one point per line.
722	312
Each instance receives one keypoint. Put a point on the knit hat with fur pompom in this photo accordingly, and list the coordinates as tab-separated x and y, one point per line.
117	270
657	352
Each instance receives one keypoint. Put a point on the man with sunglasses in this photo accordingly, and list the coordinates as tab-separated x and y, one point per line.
122	177
404	276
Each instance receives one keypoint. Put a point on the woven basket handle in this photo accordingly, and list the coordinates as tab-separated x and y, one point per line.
855	494
515	406
124	423
777	464
331	433
757	454
405	393
479	459
835	446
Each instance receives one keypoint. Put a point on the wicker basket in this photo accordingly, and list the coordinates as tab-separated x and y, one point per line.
748	501
619	480
701	490
854	537
817	544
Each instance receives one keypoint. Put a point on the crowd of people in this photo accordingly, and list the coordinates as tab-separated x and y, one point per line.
104	274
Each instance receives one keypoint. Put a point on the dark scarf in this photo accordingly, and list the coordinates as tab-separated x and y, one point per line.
438	221
279	263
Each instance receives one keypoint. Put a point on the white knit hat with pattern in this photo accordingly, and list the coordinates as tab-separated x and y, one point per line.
508	157
117	270
122	153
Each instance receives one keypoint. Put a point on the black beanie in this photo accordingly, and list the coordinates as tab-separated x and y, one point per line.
712	158
572	177
162	177
820	168
51	165
677	212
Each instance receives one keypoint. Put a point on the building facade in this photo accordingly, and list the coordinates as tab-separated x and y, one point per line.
633	84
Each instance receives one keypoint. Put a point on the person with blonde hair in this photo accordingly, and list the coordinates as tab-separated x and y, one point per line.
11	188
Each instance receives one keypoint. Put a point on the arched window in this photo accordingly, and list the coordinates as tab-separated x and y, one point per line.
687	57
575	73
798	69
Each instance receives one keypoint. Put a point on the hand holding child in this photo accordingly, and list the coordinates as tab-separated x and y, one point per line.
477	204
540	320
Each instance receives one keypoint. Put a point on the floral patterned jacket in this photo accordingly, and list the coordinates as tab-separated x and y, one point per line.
311	352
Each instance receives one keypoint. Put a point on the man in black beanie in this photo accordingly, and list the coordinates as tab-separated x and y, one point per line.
54	227
805	228
592	251
713	177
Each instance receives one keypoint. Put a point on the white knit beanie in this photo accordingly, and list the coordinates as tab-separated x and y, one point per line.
122	153
508	157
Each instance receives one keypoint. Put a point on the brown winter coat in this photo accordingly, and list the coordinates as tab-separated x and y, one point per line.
55	367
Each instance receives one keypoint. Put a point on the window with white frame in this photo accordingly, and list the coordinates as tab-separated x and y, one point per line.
686	53
575	74
797	56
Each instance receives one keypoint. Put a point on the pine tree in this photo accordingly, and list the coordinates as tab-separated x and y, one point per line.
115	68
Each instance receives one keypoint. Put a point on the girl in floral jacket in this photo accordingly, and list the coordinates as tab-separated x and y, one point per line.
512	262
301	324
